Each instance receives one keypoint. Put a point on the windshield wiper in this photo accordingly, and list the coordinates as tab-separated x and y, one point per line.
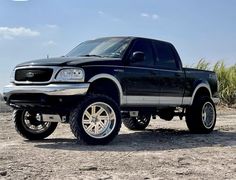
91	55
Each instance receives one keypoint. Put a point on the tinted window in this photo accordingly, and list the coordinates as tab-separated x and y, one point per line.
146	47
104	47
165	56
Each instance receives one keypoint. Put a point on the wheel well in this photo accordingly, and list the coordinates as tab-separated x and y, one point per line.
202	92
106	87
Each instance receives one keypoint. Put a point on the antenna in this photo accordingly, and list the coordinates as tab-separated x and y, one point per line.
47	56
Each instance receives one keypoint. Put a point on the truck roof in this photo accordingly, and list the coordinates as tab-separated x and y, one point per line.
133	37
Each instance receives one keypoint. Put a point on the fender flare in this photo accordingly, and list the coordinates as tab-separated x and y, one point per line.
201	85
112	78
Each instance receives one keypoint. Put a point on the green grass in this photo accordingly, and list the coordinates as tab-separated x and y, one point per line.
226	77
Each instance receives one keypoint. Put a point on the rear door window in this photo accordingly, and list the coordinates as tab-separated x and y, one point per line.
165	58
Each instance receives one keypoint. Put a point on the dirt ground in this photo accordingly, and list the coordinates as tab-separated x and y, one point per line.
166	150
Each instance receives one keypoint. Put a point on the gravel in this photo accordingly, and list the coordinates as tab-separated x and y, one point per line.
165	150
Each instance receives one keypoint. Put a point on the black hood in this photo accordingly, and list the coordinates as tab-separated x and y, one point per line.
71	61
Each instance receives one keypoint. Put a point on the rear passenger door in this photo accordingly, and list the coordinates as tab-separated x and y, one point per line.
171	76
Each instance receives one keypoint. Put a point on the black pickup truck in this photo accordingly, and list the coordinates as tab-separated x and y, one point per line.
105	81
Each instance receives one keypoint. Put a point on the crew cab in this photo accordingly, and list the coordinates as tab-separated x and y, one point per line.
105	81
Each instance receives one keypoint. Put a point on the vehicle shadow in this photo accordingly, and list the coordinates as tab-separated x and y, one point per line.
148	140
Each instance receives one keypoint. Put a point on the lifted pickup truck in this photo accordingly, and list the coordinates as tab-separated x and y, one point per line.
105	81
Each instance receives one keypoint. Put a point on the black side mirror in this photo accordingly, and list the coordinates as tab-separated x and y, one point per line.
137	56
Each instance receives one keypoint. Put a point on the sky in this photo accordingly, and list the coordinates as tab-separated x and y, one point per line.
33	29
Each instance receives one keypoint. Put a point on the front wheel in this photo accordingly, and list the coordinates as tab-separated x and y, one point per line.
201	116
30	125
96	120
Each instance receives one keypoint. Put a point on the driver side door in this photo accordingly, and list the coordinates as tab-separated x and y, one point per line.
141	82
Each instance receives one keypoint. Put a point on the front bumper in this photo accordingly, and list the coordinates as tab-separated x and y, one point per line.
52	98
51	89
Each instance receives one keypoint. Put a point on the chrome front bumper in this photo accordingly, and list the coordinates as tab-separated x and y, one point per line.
51	89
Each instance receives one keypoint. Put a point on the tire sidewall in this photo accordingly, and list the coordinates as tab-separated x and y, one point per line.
77	115
18	117
194	116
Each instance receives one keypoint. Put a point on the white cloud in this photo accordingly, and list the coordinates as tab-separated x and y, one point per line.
49	43
11	33
152	16
155	16
101	13
52	26
144	15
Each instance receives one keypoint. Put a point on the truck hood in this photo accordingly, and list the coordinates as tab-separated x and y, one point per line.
71	61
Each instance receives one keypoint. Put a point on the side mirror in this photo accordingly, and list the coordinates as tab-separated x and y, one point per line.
137	56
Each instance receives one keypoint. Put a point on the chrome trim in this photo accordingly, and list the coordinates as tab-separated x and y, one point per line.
142	100
55	69
155	100
166	100
187	100
51	89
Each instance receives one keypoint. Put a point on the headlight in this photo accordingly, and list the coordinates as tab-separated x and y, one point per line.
73	74
12	77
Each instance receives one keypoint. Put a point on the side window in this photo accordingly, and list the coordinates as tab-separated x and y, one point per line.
165	56
145	47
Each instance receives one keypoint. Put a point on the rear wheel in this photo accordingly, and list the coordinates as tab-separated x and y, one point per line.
201	116
96	120
137	123
30	125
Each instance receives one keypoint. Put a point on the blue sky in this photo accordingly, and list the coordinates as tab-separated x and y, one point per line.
34	28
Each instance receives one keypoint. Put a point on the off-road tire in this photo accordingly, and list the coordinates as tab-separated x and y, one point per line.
136	123
194	116
17	118
76	116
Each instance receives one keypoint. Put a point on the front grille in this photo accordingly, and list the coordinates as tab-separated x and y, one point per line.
33	75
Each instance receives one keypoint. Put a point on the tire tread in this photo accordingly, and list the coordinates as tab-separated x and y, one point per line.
77	129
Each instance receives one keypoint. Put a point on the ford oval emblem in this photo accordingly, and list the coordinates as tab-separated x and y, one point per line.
29	74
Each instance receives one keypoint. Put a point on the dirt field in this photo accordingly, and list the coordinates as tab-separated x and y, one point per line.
164	151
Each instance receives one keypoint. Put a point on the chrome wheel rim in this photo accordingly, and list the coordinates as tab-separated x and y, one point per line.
33	123
99	120
208	115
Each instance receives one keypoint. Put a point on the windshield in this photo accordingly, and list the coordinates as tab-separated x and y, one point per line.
104	47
